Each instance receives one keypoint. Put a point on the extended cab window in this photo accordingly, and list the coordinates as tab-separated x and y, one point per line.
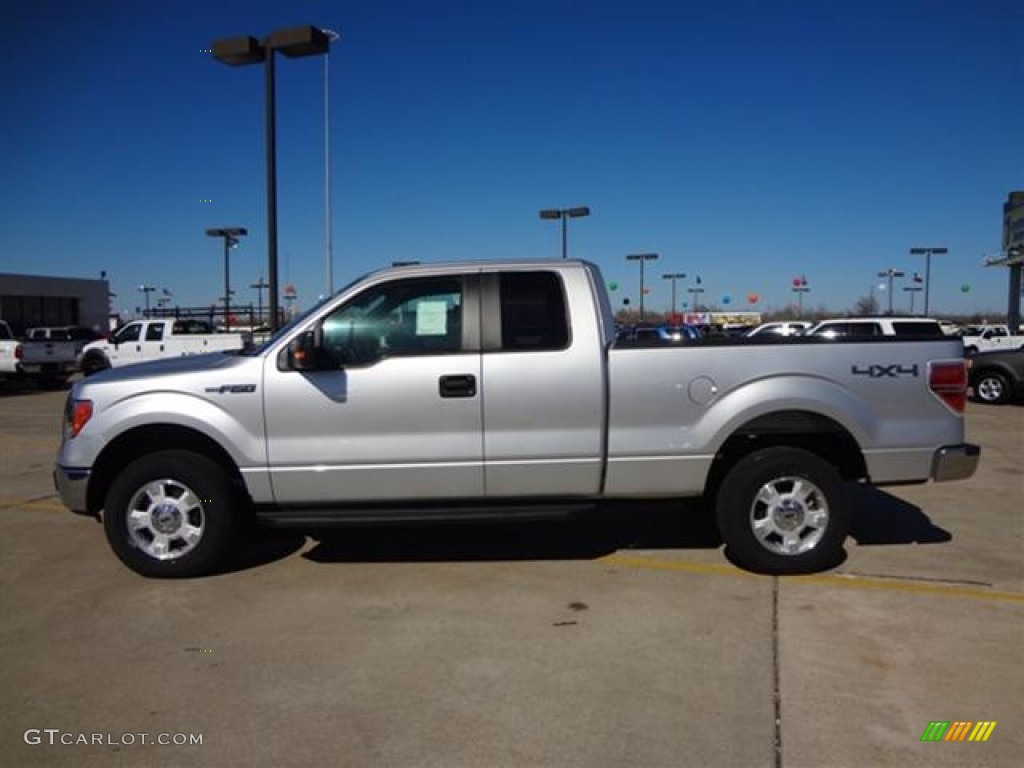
916	328
533	312
155	332
405	317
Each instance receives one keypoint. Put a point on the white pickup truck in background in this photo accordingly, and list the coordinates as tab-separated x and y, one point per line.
145	340
10	353
987	338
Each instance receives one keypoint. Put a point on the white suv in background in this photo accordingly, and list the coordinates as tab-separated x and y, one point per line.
867	327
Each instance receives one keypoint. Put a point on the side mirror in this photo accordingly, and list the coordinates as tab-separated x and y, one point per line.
304	354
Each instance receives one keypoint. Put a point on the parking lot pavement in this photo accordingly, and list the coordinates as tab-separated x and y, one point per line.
629	641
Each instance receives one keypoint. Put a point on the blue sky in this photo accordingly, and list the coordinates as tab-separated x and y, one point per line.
748	142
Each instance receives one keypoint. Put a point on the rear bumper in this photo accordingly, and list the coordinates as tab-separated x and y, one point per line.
955	462
71	484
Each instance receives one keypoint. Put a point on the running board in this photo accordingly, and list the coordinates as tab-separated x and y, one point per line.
317	516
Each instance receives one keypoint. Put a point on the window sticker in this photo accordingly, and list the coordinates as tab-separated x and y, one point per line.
432	318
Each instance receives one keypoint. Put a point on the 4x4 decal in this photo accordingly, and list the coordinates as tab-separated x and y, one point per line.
876	371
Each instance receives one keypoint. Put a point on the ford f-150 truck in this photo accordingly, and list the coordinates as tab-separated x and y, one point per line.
466	391
144	340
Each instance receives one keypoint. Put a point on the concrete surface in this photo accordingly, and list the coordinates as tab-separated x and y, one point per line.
628	641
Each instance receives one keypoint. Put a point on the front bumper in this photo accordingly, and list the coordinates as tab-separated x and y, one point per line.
72	484
955	462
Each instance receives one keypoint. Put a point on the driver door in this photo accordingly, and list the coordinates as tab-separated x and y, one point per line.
393	409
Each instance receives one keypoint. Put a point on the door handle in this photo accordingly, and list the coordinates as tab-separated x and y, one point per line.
457	385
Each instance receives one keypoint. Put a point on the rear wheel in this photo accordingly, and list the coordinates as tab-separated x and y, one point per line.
992	387
783	510
170	514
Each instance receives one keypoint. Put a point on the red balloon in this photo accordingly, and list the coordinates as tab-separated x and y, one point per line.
752	298
797	282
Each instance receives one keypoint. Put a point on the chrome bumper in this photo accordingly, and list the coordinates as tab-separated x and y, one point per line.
955	462
71	484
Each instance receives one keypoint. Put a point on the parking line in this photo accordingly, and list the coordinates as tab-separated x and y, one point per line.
44	504
848	581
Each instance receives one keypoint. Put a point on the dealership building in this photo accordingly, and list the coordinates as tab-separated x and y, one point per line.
28	301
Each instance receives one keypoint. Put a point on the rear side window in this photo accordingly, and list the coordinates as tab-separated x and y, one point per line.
155	332
533	312
863	330
913	328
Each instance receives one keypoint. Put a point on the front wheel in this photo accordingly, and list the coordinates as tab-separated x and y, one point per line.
170	514
783	510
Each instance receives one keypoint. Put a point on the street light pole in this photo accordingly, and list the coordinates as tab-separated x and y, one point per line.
642	257
673	276
913	290
146	290
891	273
230	235
563	214
332	36
260	286
927	253
237	51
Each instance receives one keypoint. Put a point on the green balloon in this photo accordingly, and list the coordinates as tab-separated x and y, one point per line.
965	288
613	286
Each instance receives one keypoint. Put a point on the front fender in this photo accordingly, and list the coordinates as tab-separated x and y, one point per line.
238	429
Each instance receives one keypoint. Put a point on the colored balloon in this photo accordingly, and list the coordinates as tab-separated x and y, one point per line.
726	299
613	286
796	282
965	288
752	298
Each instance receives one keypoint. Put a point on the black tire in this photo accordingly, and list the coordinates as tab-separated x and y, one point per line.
94	363
188	532
991	387
783	510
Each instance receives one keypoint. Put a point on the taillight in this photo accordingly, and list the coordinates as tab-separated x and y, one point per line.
79	412
18	352
948	380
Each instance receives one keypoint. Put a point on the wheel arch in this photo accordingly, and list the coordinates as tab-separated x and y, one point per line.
814	432
152	438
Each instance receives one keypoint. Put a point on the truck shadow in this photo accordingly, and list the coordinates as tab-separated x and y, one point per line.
877	519
591	535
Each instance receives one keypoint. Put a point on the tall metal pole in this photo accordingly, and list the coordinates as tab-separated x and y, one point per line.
271	140
227	284
565	226
328	222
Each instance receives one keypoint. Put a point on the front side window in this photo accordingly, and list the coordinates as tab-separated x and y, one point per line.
130	332
404	317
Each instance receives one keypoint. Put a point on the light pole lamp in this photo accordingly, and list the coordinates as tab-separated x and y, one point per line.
695	292
294	42
641	257
673	276
564	214
230	235
891	274
927	253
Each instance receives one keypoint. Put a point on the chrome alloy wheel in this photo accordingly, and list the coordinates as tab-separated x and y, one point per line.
991	389
789	515
165	519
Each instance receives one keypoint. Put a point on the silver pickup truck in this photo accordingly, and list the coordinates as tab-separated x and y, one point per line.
465	391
